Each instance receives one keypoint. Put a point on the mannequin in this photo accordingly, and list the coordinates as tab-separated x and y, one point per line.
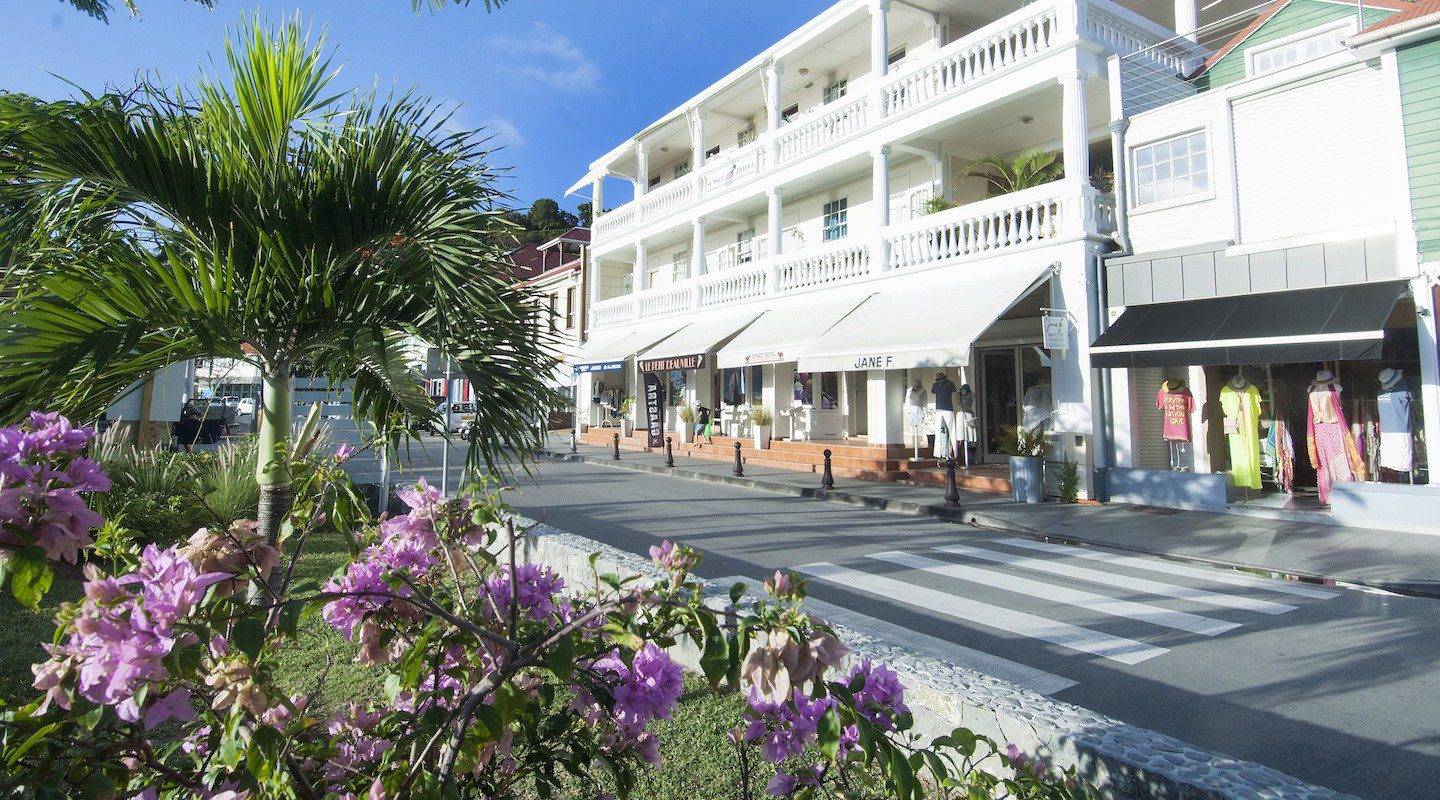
1395	404
1177	403
944	390
1037	405
1240	403
1331	445
966	420
915	414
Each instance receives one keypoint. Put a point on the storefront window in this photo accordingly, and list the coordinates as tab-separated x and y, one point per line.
675	387
741	386
826	384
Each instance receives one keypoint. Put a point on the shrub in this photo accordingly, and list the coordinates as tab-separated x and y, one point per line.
760	415
686	413
1069	481
1025	442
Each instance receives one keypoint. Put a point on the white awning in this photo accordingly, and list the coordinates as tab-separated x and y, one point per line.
779	336
610	351
932	326
690	345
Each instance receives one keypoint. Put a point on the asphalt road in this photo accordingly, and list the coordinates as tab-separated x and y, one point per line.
1335	686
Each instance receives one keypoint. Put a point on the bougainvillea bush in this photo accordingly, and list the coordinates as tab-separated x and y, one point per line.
500	679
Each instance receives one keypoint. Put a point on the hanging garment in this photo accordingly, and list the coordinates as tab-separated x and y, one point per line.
1396	442
1241	408
945	433
1176	406
1332	447
1283	447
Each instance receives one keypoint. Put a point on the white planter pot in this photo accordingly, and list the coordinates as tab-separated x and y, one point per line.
762	437
627	427
687	432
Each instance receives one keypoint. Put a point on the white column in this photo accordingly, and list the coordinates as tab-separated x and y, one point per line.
1425	310
880	196
697	247
592	282
637	283
584	409
1186	19
879	39
884	396
784	397
772	219
773	71
597	198
697	139
642	169
1075	127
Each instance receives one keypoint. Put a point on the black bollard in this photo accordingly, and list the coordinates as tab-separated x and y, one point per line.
669	454
952	491
739	471
827	478
574	443
616	456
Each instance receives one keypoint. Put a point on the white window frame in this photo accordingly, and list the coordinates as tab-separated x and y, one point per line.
680	266
835	90
1195	195
839	209
1338	30
682	168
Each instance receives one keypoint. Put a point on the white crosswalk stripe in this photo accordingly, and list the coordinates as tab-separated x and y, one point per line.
1074	637
1036	680
1172	568
1155	615
1096	576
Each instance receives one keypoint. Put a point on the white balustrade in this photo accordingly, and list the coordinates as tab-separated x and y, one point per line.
666	300
837	262
996	47
734	286
737	254
673	196
1129	34
732	168
612	223
1001	223
613	312
823	128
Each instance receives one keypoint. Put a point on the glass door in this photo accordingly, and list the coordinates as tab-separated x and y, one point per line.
999	398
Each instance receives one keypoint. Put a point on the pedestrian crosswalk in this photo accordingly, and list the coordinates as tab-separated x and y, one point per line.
1119	608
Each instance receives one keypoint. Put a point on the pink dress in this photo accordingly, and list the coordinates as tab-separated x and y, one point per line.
1332	447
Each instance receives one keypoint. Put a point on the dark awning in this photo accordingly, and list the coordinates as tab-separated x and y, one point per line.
1332	323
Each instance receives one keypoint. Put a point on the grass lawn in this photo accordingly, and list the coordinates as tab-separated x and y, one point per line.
698	762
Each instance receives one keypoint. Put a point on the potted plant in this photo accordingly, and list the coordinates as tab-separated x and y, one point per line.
627	423
1026	448
686	414
761	421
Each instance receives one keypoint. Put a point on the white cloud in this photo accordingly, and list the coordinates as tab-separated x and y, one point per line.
555	60
505	131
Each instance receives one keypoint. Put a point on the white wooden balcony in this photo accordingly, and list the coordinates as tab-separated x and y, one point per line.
1057	212
1023	36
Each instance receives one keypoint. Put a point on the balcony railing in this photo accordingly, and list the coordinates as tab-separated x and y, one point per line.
1061	211
737	254
1019	38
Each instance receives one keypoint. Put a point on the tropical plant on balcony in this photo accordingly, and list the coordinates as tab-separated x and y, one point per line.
266	218
1027	169
937	204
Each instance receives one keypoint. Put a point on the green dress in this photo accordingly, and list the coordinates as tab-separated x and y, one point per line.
1242	428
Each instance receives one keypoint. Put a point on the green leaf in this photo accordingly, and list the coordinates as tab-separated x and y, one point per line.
561	657
829	730
31	578
715	652
249	636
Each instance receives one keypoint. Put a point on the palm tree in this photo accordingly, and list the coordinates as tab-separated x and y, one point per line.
1031	167
266	219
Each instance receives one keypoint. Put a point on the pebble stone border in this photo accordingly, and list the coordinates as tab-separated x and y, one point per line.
1122	760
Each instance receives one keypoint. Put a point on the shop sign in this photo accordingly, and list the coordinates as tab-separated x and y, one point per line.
765	357
1055	327
653	424
667	364
599	366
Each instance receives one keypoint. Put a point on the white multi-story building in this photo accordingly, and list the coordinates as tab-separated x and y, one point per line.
803	233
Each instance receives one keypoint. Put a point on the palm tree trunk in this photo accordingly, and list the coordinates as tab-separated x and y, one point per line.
272	471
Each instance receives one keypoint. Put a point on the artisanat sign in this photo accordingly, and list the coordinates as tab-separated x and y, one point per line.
653	423
667	364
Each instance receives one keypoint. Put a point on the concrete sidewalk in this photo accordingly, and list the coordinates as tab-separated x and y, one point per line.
1401	562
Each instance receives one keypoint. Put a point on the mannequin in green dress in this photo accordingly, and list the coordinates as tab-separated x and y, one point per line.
1240	402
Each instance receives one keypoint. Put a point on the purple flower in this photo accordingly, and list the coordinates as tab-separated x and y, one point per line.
422	497
651	688
675	558
343	452
782	785
882	698
537	588
41	482
175	705
783	729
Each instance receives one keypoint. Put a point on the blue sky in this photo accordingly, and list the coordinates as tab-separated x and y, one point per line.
559	81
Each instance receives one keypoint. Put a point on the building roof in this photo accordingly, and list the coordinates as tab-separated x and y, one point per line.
1276	7
1416	13
527	261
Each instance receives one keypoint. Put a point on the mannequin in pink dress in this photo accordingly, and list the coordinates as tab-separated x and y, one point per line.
1332	447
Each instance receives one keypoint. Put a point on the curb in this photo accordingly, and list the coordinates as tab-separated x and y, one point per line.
987	521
